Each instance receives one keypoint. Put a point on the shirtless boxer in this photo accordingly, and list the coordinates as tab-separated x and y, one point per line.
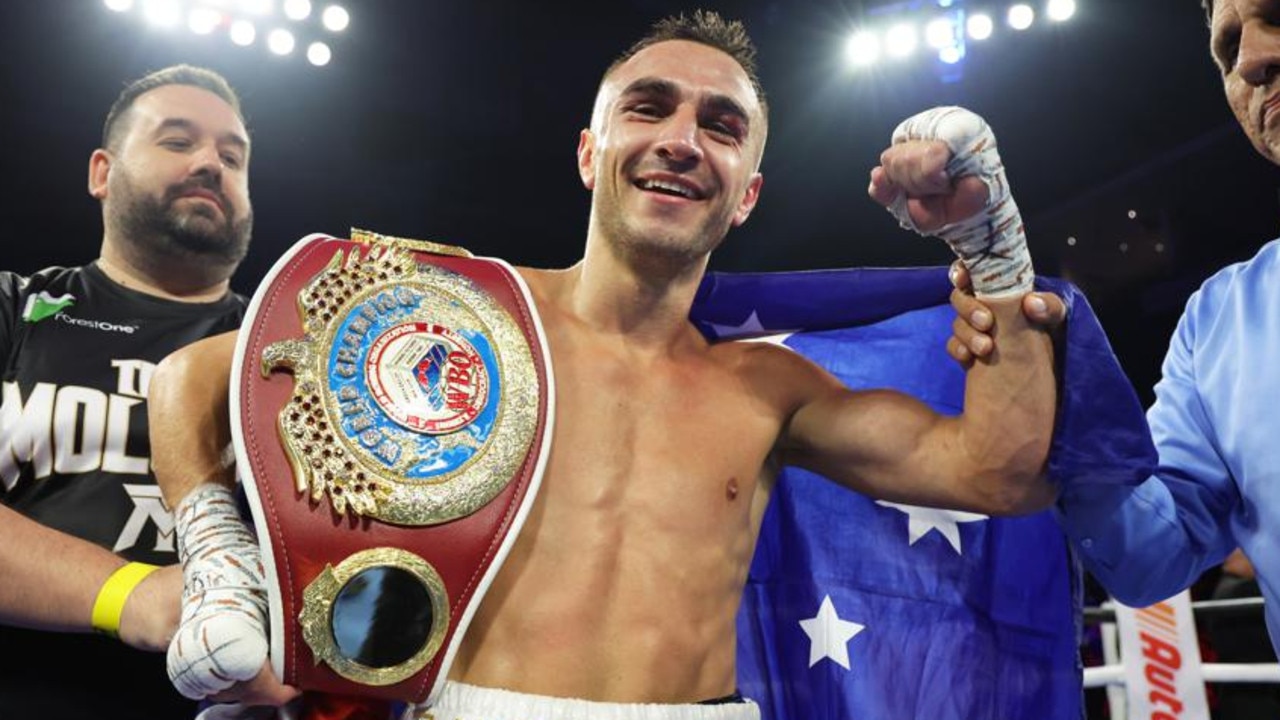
619	597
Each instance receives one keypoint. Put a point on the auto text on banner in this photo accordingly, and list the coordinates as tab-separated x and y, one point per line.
1161	657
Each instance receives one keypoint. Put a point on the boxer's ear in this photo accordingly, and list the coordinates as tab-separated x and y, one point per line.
749	199
587	159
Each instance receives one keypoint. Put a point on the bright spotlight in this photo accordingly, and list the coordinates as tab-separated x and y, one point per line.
863	48
980	26
119	5
1059	10
162	13
335	18
243	32
940	33
203	20
950	55
297	9
256	7
901	40
1021	16
318	54
280	41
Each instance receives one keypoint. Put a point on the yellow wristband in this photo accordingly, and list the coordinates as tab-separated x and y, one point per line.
115	591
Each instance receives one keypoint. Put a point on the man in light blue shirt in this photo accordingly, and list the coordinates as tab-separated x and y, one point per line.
1214	421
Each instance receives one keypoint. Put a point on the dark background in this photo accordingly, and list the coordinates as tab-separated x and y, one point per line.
458	121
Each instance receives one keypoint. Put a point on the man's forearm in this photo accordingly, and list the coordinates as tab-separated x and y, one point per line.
1009	408
51	579
189	416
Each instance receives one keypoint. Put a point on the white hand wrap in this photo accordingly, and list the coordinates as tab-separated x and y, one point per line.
992	243
222	638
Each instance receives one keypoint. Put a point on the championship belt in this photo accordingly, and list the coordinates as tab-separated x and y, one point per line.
391	412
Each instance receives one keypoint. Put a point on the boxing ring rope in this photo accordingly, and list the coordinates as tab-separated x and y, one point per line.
1238	606
1115	674
1104	675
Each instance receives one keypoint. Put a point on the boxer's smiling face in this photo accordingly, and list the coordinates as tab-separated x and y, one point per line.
673	151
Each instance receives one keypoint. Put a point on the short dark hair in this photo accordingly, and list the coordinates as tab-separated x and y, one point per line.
199	77
709	28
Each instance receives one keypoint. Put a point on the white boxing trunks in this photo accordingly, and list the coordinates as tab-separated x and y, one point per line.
468	702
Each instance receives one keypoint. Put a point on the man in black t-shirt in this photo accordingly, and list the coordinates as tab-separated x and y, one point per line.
81	518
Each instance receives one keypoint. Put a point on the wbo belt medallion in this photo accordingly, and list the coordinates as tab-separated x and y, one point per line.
417	397
392	404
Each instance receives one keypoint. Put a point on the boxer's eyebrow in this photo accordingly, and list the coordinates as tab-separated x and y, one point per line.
714	103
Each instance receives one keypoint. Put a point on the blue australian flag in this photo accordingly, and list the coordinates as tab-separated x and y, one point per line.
862	610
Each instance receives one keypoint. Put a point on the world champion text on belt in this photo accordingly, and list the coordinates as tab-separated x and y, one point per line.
419	409
415	393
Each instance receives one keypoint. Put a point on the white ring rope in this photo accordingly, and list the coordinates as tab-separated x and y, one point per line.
1106	614
1114	674
1103	675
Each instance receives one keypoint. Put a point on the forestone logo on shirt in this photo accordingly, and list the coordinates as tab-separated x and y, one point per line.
43	305
102	325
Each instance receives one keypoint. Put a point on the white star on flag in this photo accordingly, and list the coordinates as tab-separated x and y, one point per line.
829	636
751	329
924	519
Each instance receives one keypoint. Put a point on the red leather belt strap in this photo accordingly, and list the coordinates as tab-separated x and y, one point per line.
291	440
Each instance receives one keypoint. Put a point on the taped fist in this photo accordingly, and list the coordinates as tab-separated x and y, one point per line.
943	177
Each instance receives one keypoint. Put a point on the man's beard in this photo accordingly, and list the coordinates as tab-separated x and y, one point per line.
674	248
160	232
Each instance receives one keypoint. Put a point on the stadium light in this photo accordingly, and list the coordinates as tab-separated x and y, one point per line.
318	54
901	40
980	26
940	33
243	33
280	41
162	13
1021	16
296	23
895	29
203	20
297	9
336	18
863	48
1060	10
